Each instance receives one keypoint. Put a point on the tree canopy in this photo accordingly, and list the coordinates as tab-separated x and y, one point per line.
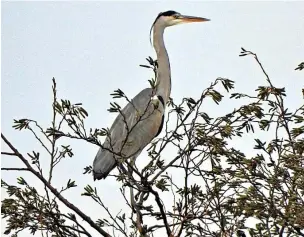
214	188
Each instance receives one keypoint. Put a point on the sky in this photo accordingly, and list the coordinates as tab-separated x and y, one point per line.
93	48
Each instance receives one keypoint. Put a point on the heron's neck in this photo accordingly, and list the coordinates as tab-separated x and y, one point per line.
163	87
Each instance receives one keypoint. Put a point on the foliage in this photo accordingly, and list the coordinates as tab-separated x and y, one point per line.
221	188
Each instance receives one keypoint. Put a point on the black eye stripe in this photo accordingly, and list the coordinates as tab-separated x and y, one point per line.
168	13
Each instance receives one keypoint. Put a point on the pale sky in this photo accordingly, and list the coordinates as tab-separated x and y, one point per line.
93	48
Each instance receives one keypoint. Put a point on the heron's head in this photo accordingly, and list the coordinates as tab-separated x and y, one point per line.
171	18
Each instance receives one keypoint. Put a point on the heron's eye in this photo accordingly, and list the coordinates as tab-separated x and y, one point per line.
175	16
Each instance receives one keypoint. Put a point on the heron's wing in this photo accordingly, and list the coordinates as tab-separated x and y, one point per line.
133	129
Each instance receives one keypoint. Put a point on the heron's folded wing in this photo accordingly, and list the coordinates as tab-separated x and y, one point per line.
128	133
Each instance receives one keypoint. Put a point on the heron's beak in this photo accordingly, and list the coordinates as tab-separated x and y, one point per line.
188	19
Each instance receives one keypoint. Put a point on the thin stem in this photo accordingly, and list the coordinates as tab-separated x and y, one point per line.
15	169
7	153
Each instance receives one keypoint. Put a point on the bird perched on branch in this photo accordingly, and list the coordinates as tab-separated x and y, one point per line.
142	119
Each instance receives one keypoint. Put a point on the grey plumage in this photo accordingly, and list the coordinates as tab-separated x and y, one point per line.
142	119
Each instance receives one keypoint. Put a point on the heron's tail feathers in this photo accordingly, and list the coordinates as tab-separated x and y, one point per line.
103	164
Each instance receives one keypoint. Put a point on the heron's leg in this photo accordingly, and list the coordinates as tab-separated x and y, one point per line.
130	172
123	169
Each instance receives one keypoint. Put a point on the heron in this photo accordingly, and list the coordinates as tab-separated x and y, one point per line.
142	119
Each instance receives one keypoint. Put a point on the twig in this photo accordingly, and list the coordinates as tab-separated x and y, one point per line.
16	169
161	208
78	224
8	153
53	141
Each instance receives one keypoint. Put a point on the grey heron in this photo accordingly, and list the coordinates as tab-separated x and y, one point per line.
140	121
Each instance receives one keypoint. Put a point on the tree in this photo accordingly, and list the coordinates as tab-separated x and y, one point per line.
221	187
